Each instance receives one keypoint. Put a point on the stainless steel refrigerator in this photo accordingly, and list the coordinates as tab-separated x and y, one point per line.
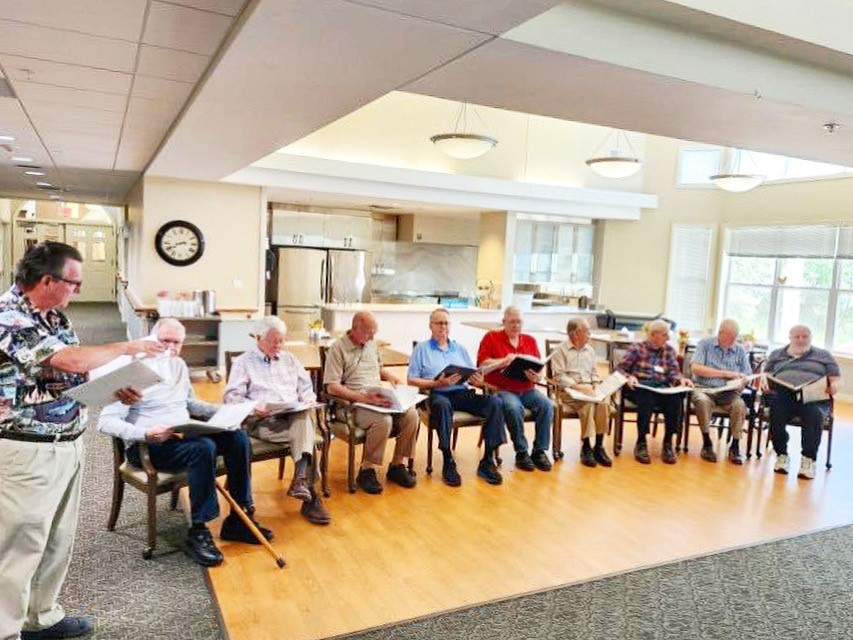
305	279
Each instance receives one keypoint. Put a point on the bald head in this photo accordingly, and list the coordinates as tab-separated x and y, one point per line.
364	327
800	339
727	333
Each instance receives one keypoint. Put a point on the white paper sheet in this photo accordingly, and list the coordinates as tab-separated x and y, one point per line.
402	399
666	391
607	388
101	391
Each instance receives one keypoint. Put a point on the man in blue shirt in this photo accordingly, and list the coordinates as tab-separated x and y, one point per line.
716	363
449	394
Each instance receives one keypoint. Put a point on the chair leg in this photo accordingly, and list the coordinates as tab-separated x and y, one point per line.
749	428
118	494
148	552
456	438
281	464
758	440
429	450
324	470
351	466
557	434
829	448
173	499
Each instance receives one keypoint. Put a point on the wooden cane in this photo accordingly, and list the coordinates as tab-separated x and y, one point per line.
279	559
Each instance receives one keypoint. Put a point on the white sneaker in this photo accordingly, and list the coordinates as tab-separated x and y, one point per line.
781	465
806	469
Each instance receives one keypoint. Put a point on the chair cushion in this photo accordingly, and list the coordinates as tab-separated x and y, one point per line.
164	478
341	430
266	448
465	419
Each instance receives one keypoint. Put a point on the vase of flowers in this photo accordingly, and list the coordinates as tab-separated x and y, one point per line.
683	340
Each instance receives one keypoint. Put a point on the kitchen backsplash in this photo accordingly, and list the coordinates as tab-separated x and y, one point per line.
406	269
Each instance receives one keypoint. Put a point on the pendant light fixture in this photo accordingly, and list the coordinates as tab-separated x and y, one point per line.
461	143
621	161
736	180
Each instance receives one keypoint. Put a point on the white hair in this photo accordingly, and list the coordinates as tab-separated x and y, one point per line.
729	325
267	324
658	326
511	310
163	323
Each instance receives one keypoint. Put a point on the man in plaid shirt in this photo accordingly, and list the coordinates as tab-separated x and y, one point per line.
653	363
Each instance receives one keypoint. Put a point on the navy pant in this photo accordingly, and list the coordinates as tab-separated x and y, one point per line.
197	456
648	402
543	415
783	407
442	406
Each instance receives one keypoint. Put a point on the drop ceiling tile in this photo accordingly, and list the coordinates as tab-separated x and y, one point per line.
85	159
150	114
114	19
167	91
41	94
170	64
184	29
134	155
50	119
65	75
66	46
228	7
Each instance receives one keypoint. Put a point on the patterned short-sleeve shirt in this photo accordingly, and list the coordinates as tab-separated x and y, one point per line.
31	397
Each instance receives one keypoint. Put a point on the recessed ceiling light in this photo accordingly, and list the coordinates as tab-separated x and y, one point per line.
7	138
43	183
53	196
21	159
34	173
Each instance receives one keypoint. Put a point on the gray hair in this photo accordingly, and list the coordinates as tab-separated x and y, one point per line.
512	310
658	326
729	325
799	326
267	324
574	324
164	323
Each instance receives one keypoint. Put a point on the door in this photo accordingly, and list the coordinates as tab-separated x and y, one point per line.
349	276
301	277
97	244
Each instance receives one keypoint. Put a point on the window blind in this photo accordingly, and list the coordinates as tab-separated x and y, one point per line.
813	241
689	279
845	242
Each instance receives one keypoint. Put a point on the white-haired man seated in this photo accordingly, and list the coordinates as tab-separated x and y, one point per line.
268	374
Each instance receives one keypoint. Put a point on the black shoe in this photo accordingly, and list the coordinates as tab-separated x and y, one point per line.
235	530
368	481
489	472
708	453
450	474
68	627
735	456
668	455
587	457
601	457
399	474
541	461
641	453
199	546
523	461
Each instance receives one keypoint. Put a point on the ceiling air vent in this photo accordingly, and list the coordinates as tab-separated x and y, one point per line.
6	90
28	166
48	188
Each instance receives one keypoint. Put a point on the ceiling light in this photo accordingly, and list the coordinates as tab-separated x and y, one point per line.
53	196
735	179
460	143
7	138
622	160
21	159
43	183
34	173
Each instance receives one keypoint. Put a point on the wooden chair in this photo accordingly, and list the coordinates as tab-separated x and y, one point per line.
763	424
562	410
460	419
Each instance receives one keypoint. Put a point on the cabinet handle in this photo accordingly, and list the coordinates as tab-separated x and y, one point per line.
293	238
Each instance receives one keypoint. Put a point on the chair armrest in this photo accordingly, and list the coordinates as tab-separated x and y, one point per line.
145	461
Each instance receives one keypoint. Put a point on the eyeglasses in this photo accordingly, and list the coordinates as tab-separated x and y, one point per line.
442	324
77	284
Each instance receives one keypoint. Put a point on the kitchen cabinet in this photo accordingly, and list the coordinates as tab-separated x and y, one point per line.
348	232
456	230
311	229
554	253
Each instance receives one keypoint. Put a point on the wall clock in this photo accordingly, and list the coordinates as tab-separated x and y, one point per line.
179	243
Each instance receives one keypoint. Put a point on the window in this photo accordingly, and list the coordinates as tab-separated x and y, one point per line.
697	165
774	167
776	277
689	278
554	253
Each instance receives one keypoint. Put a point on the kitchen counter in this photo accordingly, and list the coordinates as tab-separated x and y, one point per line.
402	308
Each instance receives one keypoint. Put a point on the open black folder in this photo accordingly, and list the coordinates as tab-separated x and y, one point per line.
522	363
453	369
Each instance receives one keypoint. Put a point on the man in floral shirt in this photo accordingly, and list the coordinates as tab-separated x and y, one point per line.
41	452
653	363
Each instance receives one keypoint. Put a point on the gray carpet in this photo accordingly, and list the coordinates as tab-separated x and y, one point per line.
795	589
130	598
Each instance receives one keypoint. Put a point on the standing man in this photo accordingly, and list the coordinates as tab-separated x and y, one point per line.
500	348
351	371
41	452
716	362
799	363
653	363
573	366
267	373
447	395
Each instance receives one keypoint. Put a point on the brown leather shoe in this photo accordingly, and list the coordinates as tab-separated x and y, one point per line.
315	512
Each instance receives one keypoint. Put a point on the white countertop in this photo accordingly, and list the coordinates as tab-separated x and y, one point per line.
380	307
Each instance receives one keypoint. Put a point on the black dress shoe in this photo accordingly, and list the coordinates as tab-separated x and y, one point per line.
523	461
199	546
368	481
68	627
450	474
489	472
541	461
668	455
735	456
587	458
641	453
708	454
235	530
399	474
601	457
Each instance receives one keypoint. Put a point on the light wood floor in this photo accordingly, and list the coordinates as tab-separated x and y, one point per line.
410	553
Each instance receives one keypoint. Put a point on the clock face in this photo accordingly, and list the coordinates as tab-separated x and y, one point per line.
179	243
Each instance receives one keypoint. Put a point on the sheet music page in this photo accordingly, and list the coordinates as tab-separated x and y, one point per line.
231	416
291	407
403	397
816	391
607	388
666	391
101	392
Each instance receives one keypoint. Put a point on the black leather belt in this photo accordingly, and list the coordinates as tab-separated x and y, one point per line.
25	436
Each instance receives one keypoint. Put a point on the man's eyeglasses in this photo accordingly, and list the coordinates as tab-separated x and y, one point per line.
77	284
442	323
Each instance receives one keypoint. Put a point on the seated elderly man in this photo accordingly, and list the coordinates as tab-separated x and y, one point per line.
429	359
151	419
653	363
268	374
500	348
715	363
573	366
796	364
353	371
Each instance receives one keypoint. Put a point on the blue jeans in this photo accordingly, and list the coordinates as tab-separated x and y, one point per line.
543	415
197	456
442	406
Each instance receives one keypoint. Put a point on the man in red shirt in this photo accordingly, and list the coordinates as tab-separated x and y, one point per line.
501	347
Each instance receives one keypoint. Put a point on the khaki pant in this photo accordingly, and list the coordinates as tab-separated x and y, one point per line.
594	417
729	401
379	427
39	499
294	429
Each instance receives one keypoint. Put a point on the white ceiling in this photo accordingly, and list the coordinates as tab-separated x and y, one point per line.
98	85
